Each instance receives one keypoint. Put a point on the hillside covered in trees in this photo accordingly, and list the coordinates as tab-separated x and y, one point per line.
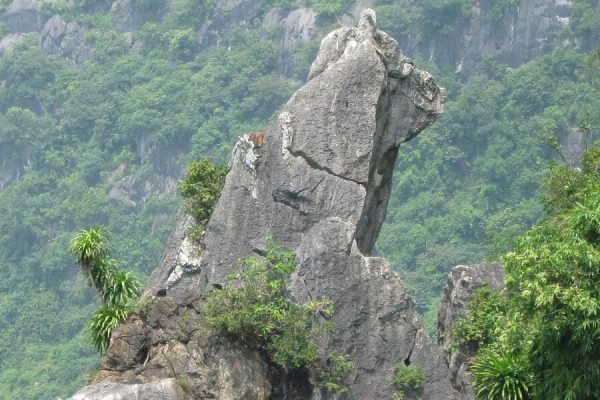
103	104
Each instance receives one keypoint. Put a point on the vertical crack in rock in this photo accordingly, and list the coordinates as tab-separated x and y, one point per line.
319	185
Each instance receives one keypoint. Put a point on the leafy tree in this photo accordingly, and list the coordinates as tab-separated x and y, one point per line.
479	326
553	277
543	342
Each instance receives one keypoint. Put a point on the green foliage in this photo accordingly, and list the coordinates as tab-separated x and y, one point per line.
258	311
585	20
70	135
90	246
116	288
481	323
104	321
500	376
545	338
202	187
253	307
4	5
423	19
466	188
553	277
444	16
407	378
331	379
327	9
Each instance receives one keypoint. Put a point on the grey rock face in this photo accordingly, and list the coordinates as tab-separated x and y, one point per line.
463	280
24	16
319	185
66	40
166	389
290	30
161	353
129	15
523	32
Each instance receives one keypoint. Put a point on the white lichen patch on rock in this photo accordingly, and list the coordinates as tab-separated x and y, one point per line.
189	260
244	150
287	133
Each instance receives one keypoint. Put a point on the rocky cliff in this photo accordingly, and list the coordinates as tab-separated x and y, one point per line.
503	32
462	282
319	185
465	38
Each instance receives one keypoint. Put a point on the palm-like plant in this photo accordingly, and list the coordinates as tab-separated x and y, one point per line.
89	247
103	323
500	376
115	287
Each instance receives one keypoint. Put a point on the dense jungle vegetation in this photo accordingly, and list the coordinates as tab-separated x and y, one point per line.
104	144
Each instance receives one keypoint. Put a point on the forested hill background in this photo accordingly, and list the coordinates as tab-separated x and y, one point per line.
103	103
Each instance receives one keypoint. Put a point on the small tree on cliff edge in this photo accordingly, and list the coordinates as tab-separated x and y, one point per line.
115	287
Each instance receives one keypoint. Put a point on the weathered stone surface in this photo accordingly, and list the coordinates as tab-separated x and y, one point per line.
66	40
290	30
164	353
526	30
24	16
319	185
129	15
463	280
166	389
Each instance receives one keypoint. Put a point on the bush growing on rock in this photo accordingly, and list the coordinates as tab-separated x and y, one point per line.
201	188
253	307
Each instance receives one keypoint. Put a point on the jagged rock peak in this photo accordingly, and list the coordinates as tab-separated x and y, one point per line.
317	181
330	154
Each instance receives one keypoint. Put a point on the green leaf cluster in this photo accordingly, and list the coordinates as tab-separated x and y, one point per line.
543	340
499	375
337	367
115	287
201	188
405	379
253	307
480	324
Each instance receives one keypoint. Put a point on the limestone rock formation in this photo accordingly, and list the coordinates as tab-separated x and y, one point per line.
297	28
524	30
463	280
24	16
319	185
66	40
129	15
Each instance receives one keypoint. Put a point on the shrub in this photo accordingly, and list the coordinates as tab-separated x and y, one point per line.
407	378
338	366
202	187
486	307
252	306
